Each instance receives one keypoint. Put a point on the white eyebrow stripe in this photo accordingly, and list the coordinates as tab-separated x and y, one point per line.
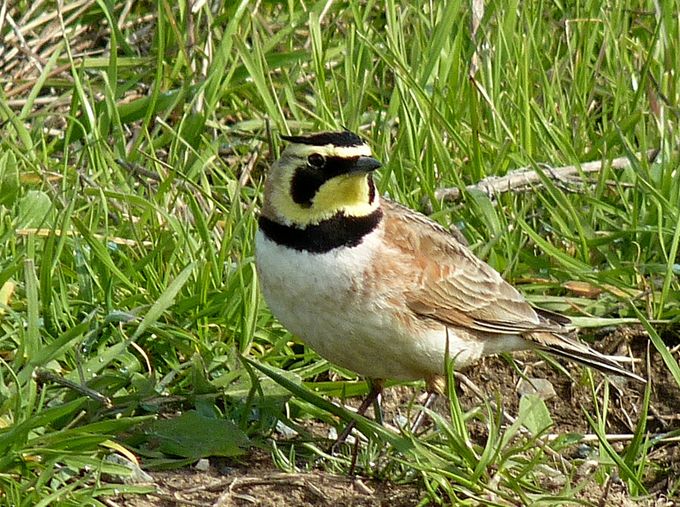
329	150
363	150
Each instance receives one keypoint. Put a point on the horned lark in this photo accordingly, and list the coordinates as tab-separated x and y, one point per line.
378	288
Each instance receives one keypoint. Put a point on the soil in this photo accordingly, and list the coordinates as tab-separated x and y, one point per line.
256	481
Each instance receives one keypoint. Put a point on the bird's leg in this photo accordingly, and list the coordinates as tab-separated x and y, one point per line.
376	387
436	384
355	455
377	404
429	401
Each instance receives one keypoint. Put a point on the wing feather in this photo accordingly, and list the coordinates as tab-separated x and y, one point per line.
454	286
449	284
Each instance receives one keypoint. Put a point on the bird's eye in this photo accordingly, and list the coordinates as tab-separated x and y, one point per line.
316	160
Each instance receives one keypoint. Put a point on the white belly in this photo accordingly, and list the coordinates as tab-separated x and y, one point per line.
316	296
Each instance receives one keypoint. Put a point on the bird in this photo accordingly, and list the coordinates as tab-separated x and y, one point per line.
380	289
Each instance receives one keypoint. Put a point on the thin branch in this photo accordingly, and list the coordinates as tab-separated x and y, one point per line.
525	179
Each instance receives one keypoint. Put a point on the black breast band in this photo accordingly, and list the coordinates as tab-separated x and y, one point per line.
340	230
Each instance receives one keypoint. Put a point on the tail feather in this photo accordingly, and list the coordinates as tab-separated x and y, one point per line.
569	348
553	317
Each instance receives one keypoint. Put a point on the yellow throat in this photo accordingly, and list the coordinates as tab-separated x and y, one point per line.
319	177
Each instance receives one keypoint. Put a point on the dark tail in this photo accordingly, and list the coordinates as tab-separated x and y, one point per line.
569	348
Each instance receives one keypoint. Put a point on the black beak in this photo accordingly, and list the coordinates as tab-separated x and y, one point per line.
365	164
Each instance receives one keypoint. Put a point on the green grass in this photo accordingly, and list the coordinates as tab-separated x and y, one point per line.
131	168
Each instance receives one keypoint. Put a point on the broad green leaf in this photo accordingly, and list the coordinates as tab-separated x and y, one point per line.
534	414
34	210
195	436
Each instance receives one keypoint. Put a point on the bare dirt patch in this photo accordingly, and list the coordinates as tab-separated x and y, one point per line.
256	481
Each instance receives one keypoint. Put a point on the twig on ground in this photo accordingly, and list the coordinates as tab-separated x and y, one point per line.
177	500
43	376
287	479
526	178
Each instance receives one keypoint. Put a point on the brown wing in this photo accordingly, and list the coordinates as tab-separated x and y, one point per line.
454	286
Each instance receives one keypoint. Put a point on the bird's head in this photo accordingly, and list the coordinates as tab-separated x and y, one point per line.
320	176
